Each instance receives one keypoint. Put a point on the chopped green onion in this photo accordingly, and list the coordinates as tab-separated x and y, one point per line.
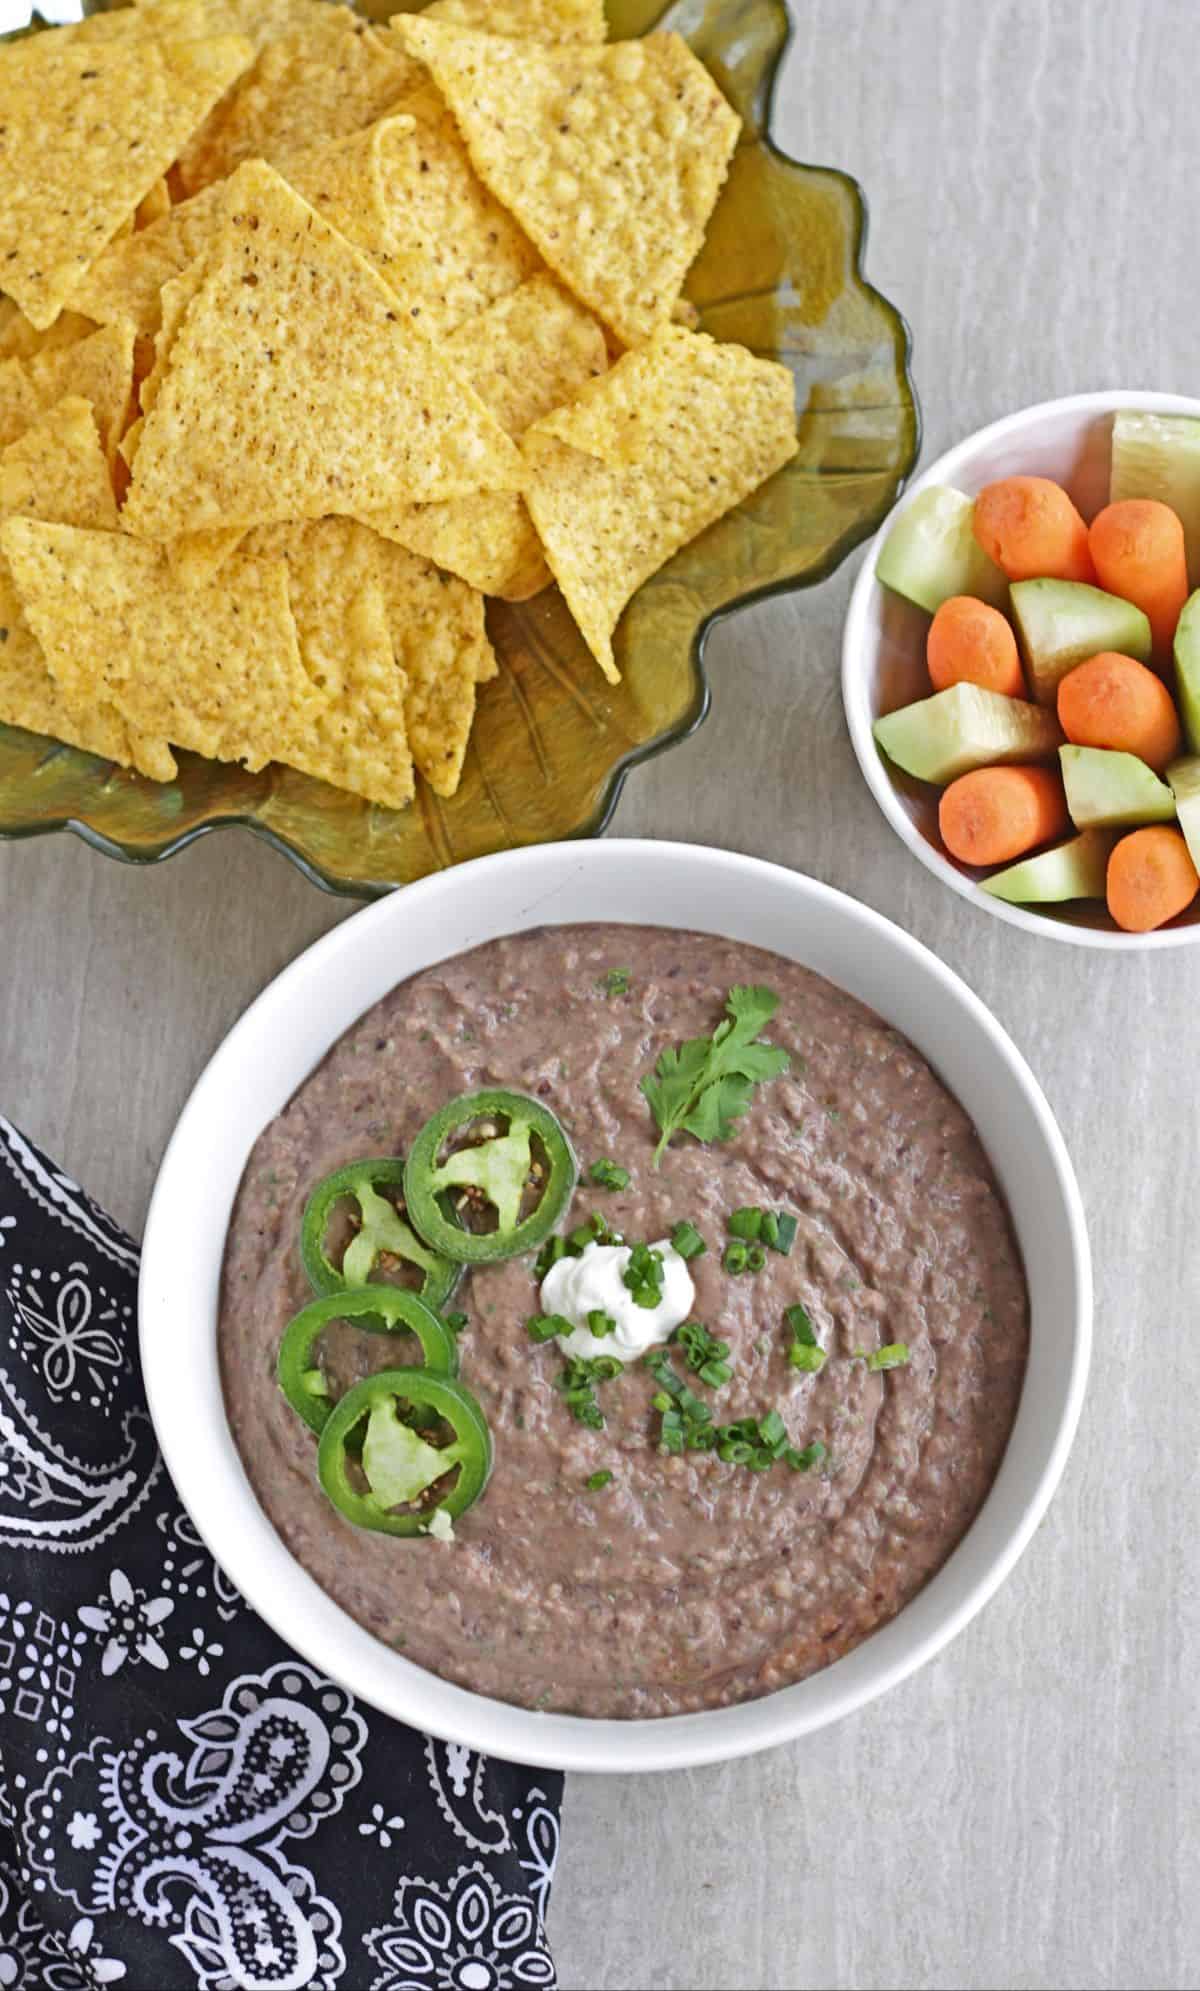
802	1462
455	1322
687	1241
756	1258
894	1356
801	1326
595	1481
771	1427
615	982
577	1385
806	1351
550	1253
643	1276
544	1327
704	1354
746	1222
811	1360
609	1175
769	1228
594	1230
735	1258
785	1238
600	1323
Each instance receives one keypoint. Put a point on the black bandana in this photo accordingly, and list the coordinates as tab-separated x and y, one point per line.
183	1801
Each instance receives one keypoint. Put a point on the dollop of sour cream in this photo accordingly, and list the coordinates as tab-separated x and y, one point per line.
576	1287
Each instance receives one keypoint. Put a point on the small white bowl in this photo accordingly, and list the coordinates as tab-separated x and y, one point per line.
883	647
300	1015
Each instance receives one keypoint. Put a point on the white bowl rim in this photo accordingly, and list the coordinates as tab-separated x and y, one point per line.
186	1407
859	716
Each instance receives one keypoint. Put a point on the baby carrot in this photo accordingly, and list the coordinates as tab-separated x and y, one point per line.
998	813
969	642
1031	529
1151	877
1113	701
1138	552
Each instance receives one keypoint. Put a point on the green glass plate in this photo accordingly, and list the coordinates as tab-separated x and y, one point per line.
781	271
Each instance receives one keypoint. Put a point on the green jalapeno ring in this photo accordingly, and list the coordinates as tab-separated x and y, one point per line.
498	1168
377	1310
381	1229
470	1451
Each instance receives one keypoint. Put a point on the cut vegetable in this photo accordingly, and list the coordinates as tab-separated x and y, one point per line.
1113	790
1187	670
1184	777
995	814
1031	529
1113	701
969	642
1151	879
1062	623
1138	551
1158	456
931	553
1073	870
939	738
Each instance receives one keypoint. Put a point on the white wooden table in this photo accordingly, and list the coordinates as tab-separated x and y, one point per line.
1024	1812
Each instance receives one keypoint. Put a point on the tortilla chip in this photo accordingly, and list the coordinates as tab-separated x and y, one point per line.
441	643
487	540
214	668
293	389
126	280
196	556
21	340
57	471
611	159
19	404
85	131
523	356
530	352
100	368
177	294
327	77
340	178
358	740
168	20
716	423
525	20
260	21
451	248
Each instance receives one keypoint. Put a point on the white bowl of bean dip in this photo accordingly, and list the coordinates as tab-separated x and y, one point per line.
811	1212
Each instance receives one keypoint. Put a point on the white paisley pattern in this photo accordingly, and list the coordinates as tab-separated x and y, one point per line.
457	1776
268	1766
465	1936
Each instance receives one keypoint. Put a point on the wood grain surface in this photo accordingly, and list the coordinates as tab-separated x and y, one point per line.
1024	1812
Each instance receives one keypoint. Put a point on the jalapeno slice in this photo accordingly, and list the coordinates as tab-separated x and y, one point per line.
397	1464
381	1231
377	1310
499	1171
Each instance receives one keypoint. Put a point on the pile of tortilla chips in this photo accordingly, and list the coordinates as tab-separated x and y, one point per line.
316	333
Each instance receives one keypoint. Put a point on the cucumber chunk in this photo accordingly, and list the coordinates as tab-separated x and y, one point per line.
965	727
1076	869
1062	623
1184	777
1187	669
1158	456
1113	790
931	553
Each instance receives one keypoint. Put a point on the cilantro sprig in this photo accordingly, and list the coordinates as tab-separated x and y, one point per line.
706	1085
